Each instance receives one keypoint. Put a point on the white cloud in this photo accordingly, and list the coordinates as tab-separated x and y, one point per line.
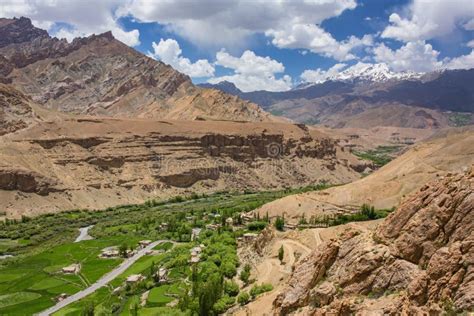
469	26
217	23
319	75
426	19
461	62
83	17
252	72
413	56
470	44
169	52
315	39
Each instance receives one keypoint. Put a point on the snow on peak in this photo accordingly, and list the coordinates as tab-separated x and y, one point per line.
359	72
373	72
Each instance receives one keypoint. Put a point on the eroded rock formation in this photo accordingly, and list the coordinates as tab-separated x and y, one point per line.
95	162
419	261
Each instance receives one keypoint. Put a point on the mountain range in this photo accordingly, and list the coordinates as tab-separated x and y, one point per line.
104	125
99	75
372	95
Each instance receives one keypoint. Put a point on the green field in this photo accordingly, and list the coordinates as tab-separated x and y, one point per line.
380	156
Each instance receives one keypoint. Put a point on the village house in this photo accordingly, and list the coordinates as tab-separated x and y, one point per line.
144	243
213	226
61	297
195	254
229	221
72	269
246	217
195	233
249	237
162	275
109	253
163	226
134	278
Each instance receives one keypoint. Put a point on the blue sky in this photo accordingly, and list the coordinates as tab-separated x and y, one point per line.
264	44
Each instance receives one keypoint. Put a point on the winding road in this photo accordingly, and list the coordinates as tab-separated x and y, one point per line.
84	234
103	281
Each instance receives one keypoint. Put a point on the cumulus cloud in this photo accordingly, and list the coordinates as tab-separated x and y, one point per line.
72	18
428	19
461	62
169	52
416	56
315	39
225	23
252	72
319	75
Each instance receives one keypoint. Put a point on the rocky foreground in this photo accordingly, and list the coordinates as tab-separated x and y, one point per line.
420	260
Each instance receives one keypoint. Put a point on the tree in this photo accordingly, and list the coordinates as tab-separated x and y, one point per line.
280	223
228	269
368	211
123	250
281	254
231	288
210	292
245	274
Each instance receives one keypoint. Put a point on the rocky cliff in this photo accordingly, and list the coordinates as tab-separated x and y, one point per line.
99	75
420	261
16	111
96	162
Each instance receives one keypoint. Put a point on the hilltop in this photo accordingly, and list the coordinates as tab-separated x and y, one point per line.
99	75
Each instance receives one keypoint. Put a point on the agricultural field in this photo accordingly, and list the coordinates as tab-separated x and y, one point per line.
380	156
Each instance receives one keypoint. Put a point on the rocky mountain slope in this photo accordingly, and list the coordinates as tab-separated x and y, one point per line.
451	150
419	261
99	75
374	97
16	111
89	162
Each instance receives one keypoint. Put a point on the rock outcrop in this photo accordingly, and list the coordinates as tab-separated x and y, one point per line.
420	260
15	110
98	75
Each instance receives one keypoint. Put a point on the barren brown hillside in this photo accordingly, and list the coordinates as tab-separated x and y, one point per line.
97	162
448	151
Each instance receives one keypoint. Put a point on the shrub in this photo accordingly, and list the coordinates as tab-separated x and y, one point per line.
259	289
243	298
256	226
231	288
280	223
281	253
223	304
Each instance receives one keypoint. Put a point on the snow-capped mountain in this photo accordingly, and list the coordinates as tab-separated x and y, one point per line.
365	72
374	72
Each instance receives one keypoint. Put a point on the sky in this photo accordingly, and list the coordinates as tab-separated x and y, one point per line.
271	45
